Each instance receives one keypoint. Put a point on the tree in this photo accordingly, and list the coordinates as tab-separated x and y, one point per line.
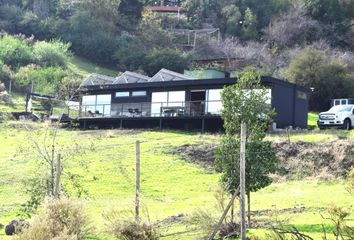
327	11
165	58
330	78
246	102
293	27
130	52
14	52
131	10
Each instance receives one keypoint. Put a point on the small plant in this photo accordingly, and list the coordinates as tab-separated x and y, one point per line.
206	221
338	217
61	219
350	180
123	227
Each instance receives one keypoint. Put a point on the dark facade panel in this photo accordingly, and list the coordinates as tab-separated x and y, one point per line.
289	101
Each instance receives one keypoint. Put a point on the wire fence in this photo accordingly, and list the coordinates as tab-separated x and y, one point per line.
102	172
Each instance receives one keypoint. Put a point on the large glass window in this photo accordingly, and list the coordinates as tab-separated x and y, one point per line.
89	100
213	104
176	98
161	101
158	100
96	105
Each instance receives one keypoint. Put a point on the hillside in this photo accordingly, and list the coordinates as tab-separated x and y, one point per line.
105	167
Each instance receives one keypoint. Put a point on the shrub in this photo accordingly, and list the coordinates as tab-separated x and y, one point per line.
61	219
3	94
350	186
14	52
54	53
165	58
90	37
125	228
10	16
6	73
330	78
44	80
129	52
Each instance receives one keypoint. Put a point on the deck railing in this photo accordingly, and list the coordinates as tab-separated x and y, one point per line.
152	109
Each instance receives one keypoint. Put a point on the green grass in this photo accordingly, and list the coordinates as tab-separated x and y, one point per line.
84	67
169	185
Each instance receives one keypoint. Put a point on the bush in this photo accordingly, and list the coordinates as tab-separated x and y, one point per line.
3	94
61	219
54	53
129	52
165	58
45	80
90	37
125	228
330	78
14	52
6	73
10	17
350	179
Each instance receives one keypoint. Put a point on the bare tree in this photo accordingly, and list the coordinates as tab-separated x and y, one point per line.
293	27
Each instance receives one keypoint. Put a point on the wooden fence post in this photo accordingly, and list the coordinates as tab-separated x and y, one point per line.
137	190
243	180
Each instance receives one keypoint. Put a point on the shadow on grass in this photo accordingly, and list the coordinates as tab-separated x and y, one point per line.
312	228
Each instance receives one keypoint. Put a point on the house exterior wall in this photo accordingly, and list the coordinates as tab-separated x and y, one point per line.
289	100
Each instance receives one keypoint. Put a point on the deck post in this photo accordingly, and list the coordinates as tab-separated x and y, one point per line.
121	124
85	127
203	124
160	123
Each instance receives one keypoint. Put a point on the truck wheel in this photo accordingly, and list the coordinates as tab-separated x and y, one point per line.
322	128
347	125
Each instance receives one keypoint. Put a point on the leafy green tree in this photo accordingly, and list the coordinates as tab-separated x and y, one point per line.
14	52
130	52
54	53
233	18
91	38
327	11
249	25
329	78
165	58
6	74
131	11
246	102
44	80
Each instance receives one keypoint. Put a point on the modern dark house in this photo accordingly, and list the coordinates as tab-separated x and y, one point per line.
176	101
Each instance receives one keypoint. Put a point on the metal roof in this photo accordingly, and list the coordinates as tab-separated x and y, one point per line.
131	77
98	79
165	75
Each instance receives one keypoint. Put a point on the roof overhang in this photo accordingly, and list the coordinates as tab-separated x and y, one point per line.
268	81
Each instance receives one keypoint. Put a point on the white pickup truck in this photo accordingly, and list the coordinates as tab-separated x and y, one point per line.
337	116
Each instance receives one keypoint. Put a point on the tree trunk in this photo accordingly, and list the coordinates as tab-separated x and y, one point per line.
232	212
249	208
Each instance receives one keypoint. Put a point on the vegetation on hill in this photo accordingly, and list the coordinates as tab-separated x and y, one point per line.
118	33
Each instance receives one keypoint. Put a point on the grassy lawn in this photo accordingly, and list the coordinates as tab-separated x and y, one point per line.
169	185
84	67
